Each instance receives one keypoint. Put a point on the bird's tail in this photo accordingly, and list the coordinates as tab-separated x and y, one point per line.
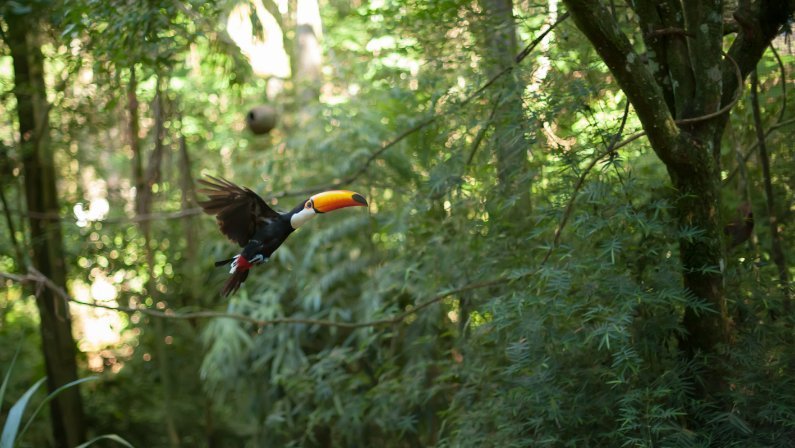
233	283
223	262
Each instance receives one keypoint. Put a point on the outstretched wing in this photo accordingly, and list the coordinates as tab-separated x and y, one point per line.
238	210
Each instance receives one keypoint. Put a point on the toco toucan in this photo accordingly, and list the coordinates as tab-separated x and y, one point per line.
246	219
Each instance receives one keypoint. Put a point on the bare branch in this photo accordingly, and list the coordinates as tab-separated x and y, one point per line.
752	148
581	181
756	31
40	280
116	220
423	123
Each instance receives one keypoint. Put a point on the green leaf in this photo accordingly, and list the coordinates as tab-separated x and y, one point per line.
8	375
51	396
112	437
11	426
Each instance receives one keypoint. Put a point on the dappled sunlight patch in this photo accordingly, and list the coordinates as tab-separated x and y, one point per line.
99	330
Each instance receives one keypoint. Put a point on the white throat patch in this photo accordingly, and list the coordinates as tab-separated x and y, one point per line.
298	219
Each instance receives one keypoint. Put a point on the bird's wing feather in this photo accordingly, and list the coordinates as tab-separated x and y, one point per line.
238	210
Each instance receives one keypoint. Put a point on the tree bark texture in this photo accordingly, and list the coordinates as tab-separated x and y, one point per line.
683	75
45	234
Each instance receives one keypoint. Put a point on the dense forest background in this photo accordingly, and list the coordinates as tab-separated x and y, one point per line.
579	220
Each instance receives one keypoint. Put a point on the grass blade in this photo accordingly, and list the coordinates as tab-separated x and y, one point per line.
50	397
113	437
11	426
8	375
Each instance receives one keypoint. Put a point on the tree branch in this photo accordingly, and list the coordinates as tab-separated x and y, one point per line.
359	171
757	29
632	74
780	122
654	36
777	252
704	19
750	151
38	279
423	123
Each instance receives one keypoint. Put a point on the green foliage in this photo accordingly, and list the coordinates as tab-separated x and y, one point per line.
577	344
14	419
11	434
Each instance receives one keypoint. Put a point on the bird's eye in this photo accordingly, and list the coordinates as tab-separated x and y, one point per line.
308	204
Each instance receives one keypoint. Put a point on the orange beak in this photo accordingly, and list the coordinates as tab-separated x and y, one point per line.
332	200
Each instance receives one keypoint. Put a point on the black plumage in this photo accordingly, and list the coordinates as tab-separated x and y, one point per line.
247	220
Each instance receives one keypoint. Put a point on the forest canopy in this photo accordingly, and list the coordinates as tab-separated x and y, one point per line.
570	223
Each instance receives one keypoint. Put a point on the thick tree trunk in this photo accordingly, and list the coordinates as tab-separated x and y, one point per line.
698	189
685	78
45	232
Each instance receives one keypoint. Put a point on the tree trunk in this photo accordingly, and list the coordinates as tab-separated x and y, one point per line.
308	53
45	230
697	187
498	32
776	250
189	200
133	127
153	175
686	78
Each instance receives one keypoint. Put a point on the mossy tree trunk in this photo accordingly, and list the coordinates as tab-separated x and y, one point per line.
45	229
684	76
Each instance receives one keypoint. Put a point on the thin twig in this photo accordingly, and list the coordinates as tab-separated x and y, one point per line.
36	277
366	165
116	220
779	122
424	123
581	180
777	253
752	147
783	72
681	121
482	131
40	280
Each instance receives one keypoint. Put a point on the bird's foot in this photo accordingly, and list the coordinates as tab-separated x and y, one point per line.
240	262
258	259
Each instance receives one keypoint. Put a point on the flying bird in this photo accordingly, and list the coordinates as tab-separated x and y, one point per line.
246	219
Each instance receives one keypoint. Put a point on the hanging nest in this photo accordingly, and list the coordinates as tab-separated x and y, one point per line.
262	119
